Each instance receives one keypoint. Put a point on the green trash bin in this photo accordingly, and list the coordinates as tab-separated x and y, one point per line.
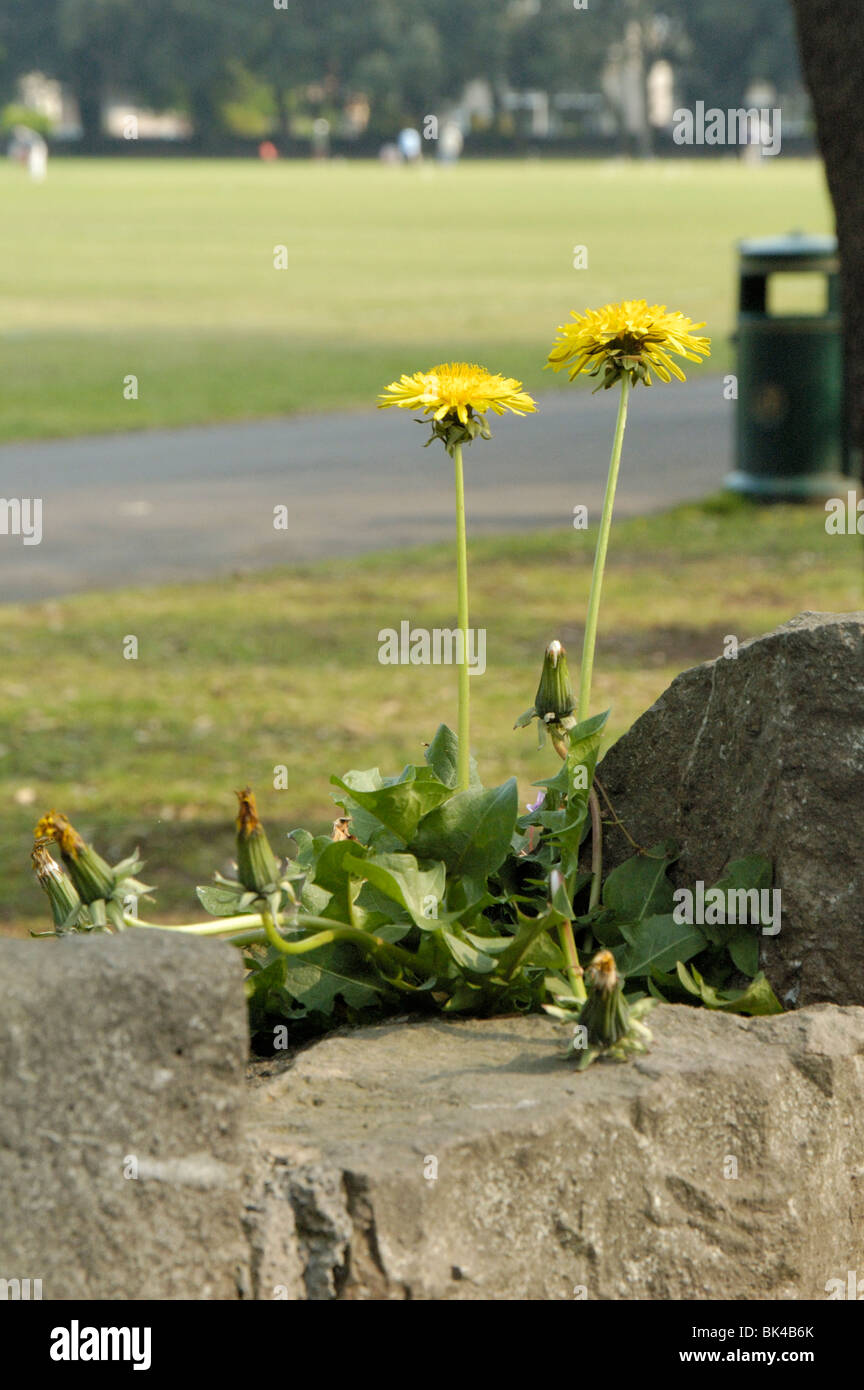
790	436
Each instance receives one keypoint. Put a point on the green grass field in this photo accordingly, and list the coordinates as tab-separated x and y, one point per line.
164	270
236	678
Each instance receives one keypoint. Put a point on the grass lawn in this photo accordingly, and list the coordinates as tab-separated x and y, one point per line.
164	269
237	677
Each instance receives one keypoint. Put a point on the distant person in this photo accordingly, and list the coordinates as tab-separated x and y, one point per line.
29	148
410	145
321	138
450	143
267	151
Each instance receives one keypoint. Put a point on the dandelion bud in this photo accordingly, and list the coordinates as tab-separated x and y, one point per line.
62	893
92	877
606	1015
554	699
257	866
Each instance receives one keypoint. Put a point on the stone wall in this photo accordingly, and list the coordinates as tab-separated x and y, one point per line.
468	1160
430	1160
122	1055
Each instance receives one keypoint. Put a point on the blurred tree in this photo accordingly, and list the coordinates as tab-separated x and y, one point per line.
552	46
721	46
408	56
831	36
94	51
25	31
165	52
187	52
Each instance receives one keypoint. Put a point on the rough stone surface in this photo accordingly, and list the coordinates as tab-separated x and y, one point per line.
612	1184
113	1049
764	753
434	1160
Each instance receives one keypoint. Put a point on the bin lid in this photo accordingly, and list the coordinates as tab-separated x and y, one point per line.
796	246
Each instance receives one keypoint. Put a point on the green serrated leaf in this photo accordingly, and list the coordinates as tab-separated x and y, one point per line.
467	955
657	943
757	1000
471	832
400	805
584	739
492	945
744	950
522	948
442	755
400	878
639	887
752	871
331	871
314	899
220	902
544	952
305	844
316	981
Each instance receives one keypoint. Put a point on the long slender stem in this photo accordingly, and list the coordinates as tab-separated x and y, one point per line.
220	927
596	850
600	556
324	928
294	948
574	970
464	762
566	939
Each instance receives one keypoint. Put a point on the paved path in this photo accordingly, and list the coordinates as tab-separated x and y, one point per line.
171	505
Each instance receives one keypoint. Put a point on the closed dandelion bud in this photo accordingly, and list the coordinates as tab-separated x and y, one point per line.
92	877
554	699
61	891
257	866
605	1015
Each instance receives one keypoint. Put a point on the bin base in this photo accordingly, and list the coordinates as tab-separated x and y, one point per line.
797	487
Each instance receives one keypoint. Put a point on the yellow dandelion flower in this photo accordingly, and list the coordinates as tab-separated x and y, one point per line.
456	391
454	398
632	338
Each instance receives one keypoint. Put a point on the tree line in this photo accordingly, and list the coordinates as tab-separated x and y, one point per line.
406	57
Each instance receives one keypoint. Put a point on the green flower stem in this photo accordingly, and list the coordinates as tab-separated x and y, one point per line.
294	948
596	849
257	937
217	928
464	763
260	925
565	930
334	931
600	556
571	955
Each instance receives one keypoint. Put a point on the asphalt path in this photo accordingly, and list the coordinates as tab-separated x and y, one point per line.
157	506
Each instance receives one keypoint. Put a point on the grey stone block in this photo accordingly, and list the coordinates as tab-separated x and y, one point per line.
764	753
468	1160
121	1054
